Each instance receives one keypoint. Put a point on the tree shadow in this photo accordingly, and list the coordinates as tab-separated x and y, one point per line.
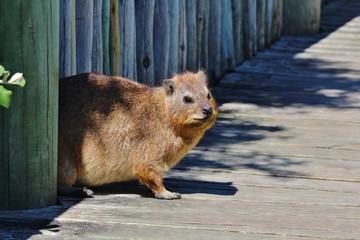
23	224
289	75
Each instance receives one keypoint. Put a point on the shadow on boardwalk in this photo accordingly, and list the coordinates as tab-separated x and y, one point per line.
297	78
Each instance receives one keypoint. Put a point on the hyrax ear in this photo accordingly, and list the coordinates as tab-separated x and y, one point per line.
202	75
169	86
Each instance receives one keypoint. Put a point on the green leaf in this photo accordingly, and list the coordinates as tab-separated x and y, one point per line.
3	74
2	70
17	79
5	97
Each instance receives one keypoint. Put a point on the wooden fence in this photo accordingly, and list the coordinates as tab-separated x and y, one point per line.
151	40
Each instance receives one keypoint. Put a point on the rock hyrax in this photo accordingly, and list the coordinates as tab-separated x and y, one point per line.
112	129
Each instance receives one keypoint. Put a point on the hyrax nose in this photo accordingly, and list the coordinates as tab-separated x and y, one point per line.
207	110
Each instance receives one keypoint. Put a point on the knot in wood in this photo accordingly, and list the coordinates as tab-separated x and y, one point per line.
146	61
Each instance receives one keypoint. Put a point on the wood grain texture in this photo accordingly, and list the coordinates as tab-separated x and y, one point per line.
97	47
214	47
191	35
128	67
114	44
238	35
277	19
106	35
67	39
250	30
144	12
268	21
84	35
174	24
261	24
29	148
301	18
227	40
161	41
202	29
182	37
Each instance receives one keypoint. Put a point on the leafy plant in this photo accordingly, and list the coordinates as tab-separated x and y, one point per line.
16	80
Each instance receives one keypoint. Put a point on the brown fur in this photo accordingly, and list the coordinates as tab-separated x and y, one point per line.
112	129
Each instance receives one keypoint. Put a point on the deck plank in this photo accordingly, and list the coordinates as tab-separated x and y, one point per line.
282	162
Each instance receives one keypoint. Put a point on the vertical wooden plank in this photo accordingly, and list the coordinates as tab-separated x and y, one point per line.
11	125
277	20
73	39
260	22
250	44
161	41
127	38
114	44
174	22
268	21
227	44
144	14
15	180
191	35
106	35
4	156
301	17
67	38
182	37
53	97
237	21
97	48
84	34
214	47
202	34
31	148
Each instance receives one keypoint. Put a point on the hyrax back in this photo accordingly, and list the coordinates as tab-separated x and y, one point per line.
112	129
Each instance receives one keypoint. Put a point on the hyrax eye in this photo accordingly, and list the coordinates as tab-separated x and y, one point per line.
209	96
188	100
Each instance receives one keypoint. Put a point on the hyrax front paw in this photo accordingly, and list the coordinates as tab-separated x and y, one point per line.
165	194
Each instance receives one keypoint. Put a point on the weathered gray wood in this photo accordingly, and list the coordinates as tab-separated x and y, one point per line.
182	37
114	44
128	67
84	35
237	22
144	12
28	151
67	39
174	23
277	20
227	41
106	35
214	47
301	18
161	41
268	21
250	32
261	24
191	35
97	48
202	29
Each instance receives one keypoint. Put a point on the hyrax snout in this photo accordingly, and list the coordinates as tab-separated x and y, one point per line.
112	129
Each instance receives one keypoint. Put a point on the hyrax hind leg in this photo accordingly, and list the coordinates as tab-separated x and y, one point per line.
154	181
67	173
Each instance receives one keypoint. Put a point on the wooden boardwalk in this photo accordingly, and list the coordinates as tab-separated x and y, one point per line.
283	161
